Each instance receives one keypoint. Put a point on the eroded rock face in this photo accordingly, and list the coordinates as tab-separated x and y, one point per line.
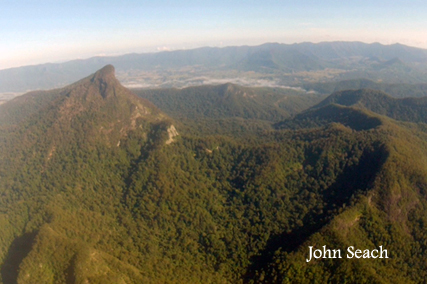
172	133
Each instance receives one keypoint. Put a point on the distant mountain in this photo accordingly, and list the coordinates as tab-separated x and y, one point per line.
282	62
336	50
276	58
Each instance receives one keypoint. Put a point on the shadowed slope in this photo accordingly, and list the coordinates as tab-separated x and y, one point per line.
405	109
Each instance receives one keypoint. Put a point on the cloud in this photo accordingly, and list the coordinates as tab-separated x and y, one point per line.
164	48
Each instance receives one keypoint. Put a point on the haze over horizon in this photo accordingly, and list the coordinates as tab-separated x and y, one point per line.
36	32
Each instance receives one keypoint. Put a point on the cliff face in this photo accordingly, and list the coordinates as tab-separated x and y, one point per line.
171	133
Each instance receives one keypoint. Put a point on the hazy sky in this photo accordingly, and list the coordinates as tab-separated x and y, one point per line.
42	31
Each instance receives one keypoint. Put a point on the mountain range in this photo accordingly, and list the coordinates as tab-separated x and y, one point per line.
210	184
272	63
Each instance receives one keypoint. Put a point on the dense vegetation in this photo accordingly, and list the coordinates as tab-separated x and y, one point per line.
228	109
405	109
229	100
92	193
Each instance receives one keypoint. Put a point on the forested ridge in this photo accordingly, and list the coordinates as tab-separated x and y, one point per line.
96	189
228	108
404	109
397	90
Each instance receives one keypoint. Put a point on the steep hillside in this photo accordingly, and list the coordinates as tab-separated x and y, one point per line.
391	214
96	93
60	158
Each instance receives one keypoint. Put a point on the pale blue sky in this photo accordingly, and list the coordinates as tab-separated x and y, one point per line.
33	32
